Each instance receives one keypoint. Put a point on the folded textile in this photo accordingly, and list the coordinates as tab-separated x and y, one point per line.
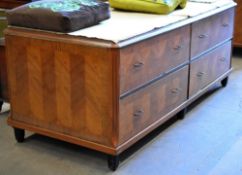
150	6
59	15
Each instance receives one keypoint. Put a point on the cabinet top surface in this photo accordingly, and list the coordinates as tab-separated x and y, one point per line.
125	28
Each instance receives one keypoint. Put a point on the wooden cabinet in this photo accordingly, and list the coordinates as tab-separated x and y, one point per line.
107	96
237	42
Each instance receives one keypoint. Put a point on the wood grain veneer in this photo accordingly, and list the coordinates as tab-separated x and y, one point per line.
65	87
146	106
211	31
155	57
209	67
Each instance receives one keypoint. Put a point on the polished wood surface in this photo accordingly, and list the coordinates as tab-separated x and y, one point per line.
155	56
73	87
63	87
211	31
209	67
237	42
148	105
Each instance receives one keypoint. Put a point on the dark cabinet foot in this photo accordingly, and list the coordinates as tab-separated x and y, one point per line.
224	82
1	105
19	135
181	115
113	162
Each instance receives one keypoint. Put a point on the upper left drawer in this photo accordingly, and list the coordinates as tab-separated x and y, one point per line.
146	60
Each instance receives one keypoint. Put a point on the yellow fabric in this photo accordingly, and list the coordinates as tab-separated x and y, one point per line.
150	6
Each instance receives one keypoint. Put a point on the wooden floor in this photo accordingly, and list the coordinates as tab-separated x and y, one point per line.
207	142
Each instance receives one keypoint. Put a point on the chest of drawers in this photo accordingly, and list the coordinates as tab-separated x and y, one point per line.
107	96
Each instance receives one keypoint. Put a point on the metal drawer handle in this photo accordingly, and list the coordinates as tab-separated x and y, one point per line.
178	47
138	113
222	59
175	90
200	74
225	25
203	36
138	65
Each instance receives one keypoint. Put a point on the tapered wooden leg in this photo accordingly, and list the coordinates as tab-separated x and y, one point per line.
224	82
181	115
113	162
1	105
19	134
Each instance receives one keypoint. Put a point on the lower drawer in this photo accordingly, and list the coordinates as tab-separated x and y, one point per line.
147	105
209	67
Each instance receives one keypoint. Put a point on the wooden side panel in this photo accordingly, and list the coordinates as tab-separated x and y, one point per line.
144	61
147	105
209	67
62	87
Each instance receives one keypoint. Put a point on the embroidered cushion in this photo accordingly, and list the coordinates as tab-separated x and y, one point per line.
59	15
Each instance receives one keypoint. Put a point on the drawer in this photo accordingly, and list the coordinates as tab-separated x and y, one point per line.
209	67
147	105
211	31
144	61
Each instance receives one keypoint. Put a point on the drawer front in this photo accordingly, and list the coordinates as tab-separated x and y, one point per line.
209	67
211	31
146	106
144	61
